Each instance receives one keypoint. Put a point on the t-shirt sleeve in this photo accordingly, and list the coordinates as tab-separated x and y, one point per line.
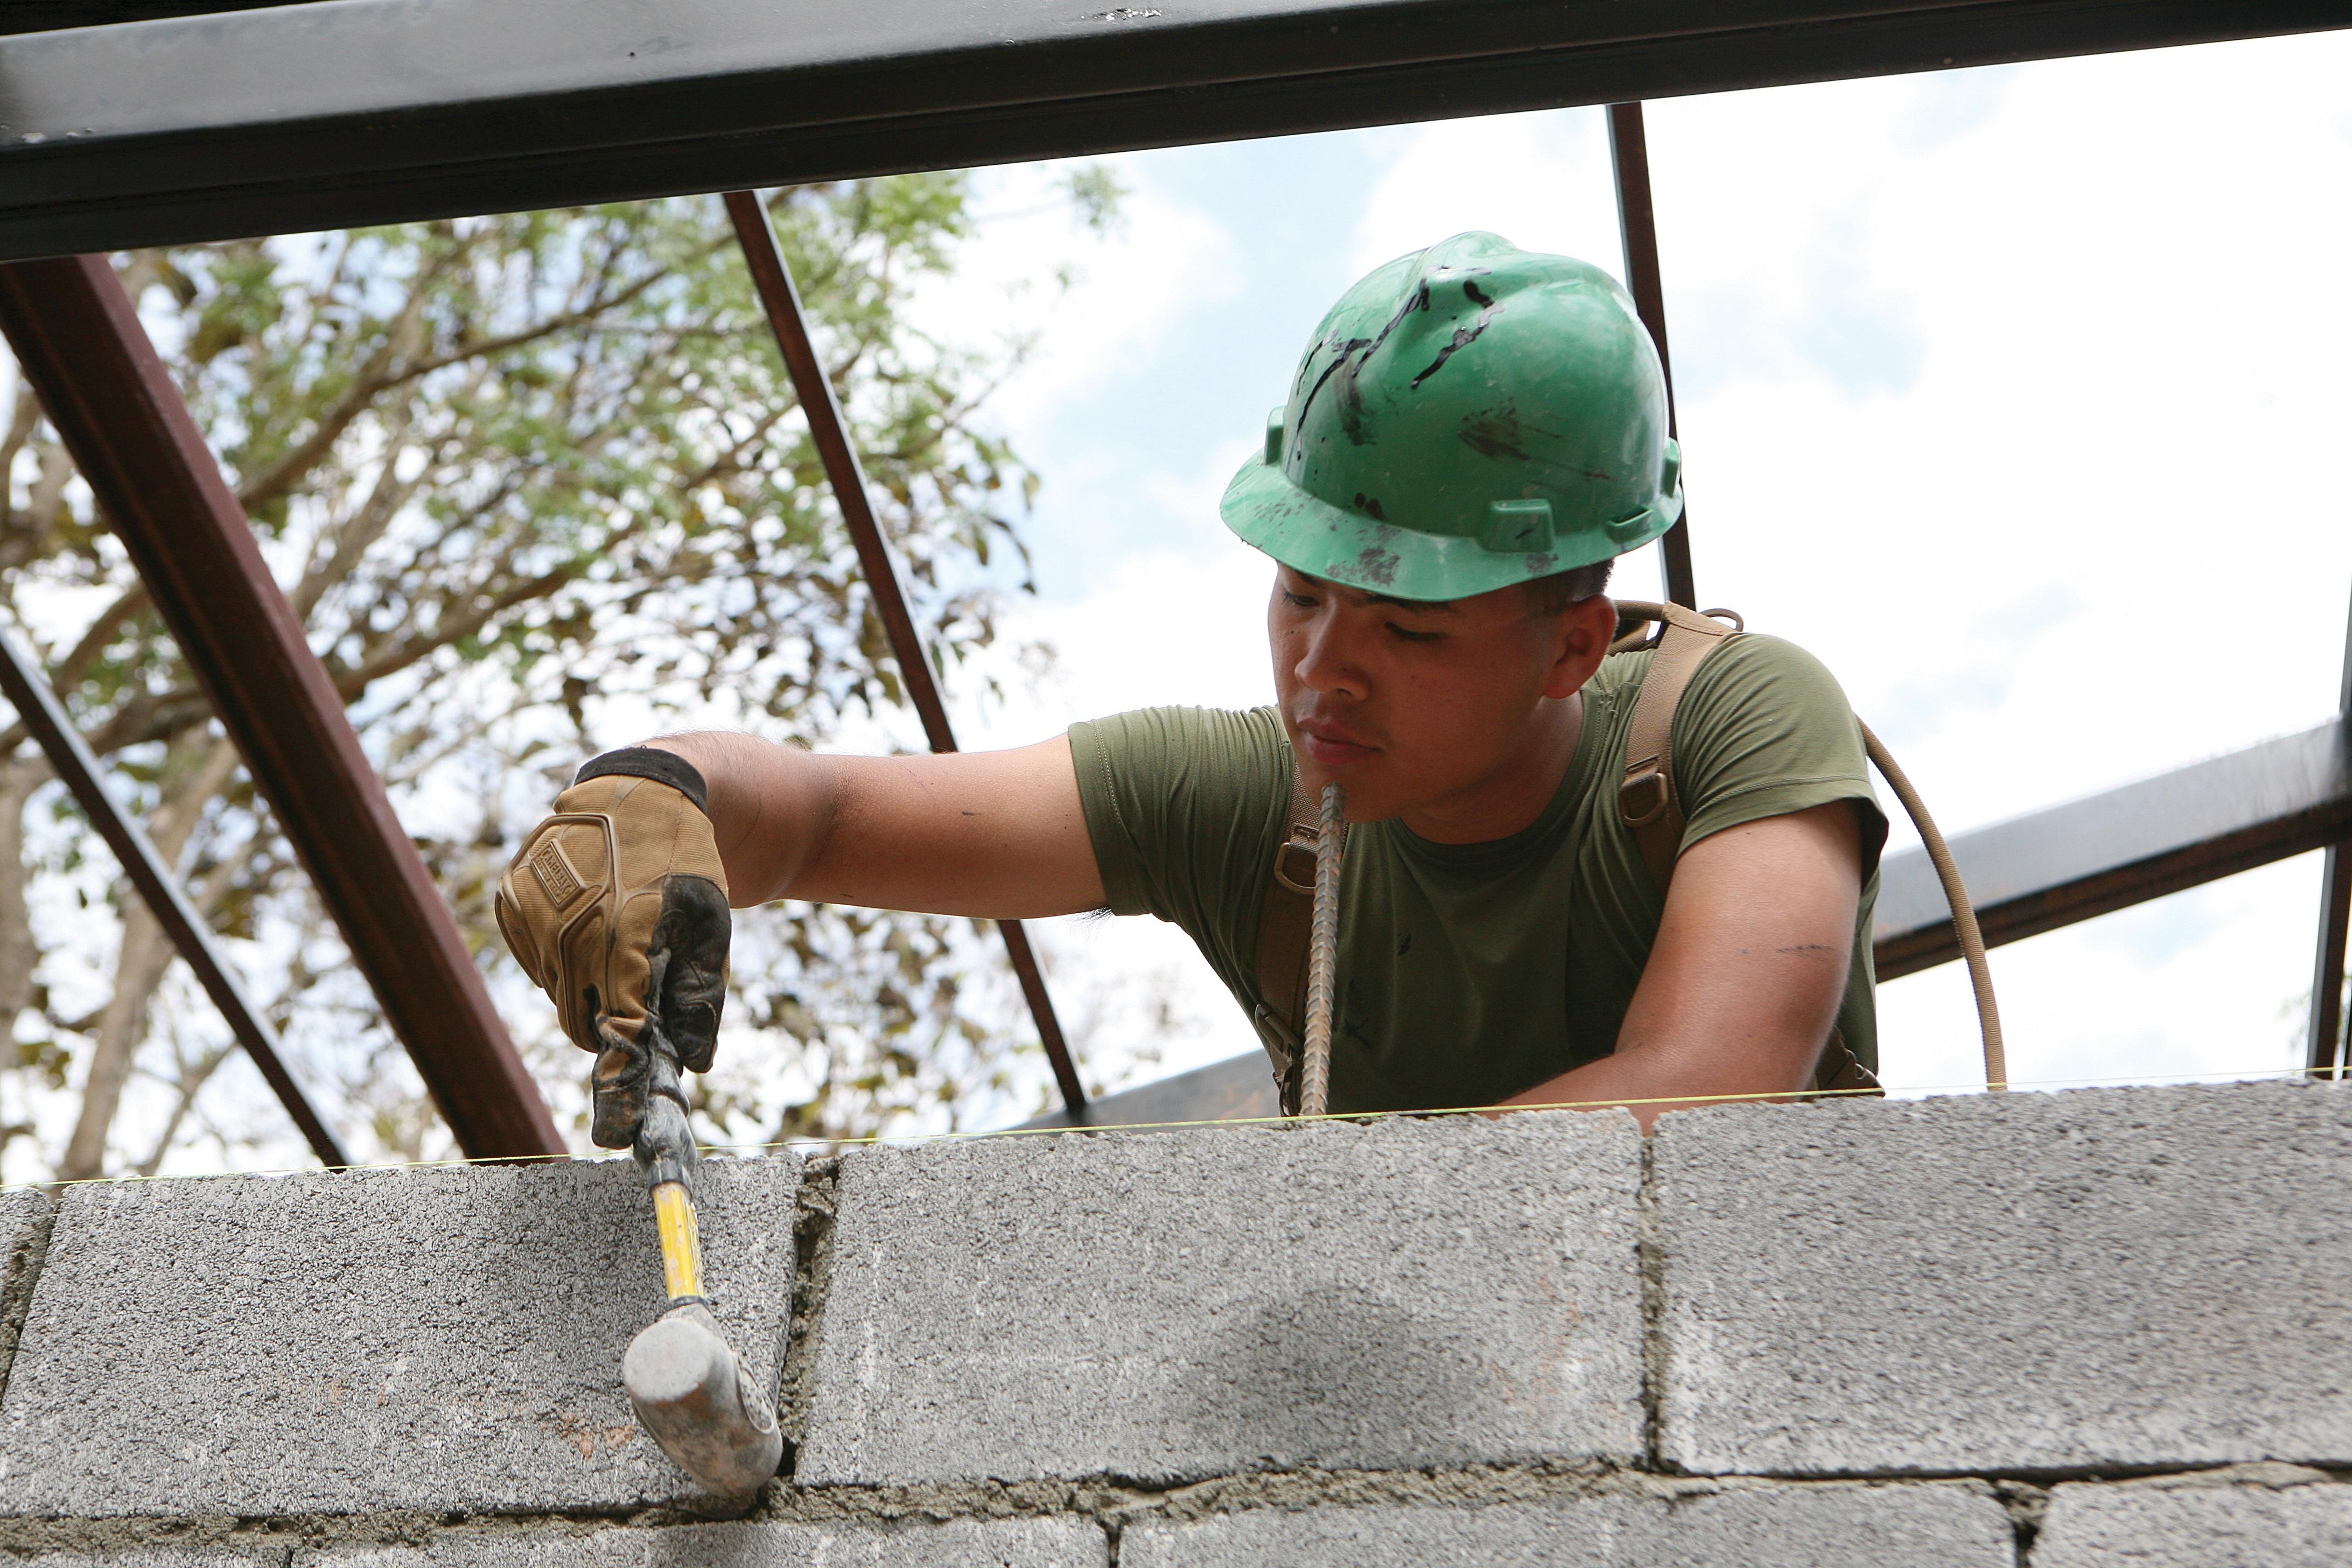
1764	729
1184	806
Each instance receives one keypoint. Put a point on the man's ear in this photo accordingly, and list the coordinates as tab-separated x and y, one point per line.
1580	637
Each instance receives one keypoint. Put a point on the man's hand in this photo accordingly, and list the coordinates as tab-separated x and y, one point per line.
1744	978
616	906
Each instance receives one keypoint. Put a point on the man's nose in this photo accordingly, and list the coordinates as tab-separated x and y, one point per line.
1326	664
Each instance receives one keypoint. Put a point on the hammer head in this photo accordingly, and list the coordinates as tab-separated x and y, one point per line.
690	1393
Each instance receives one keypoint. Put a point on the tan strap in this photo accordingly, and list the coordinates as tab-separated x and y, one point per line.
1649	804
1647	801
1284	927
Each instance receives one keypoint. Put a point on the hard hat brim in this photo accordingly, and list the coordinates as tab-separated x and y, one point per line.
1309	534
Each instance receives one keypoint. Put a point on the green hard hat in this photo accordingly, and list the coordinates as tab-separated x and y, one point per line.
1466	417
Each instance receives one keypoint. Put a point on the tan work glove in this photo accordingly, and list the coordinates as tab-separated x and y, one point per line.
616	906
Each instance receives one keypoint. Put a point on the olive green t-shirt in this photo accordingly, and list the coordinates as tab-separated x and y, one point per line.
1469	972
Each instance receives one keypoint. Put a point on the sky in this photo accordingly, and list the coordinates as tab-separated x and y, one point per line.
2017	394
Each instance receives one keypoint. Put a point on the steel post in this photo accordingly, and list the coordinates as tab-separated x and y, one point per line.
114	402
772	276
1637	227
2324	1053
45	716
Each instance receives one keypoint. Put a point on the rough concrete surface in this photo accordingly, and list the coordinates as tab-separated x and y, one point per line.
1183	1304
1914	1526
272	1554
957	1543
24	1214
369	1340
2265	1516
2096	1279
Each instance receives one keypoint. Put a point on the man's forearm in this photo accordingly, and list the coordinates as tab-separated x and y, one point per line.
1643	1084
1744	981
771	808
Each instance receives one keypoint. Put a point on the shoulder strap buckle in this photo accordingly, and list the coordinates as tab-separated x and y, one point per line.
1294	863
1643	798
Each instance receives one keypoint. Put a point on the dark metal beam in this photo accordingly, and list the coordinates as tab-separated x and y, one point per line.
45	716
2325	1046
772	276
296	118
1637	228
50	16
114	402
2090	857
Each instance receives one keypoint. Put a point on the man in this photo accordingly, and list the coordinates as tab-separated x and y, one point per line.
1474	433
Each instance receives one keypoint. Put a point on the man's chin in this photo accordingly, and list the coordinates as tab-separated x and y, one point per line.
1369	797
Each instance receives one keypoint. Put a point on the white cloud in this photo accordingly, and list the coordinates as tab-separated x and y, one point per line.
1125	287
1541	181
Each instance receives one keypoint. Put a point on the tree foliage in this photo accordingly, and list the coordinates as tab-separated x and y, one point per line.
537	485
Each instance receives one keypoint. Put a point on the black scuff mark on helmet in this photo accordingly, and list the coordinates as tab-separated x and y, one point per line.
1352	396
1335	345
1370	506
1351	358
1496	433
1462	338
1338	358
1374	564
1416	300
1477	295
1351	414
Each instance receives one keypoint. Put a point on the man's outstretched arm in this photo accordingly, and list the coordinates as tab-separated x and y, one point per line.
995	834
1744	981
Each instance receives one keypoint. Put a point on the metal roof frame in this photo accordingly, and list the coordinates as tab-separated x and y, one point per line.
284	118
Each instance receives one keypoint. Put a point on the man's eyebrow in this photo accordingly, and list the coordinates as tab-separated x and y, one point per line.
1433	607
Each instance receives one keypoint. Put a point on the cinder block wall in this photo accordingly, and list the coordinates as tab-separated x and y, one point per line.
1988	1333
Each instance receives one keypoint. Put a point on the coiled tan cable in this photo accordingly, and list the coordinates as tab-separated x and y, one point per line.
1634	619
1964	912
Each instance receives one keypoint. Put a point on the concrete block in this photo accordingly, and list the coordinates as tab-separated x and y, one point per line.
2285	1518
24	1215
2095	1279
438	1340
1914	1526
914	1543
1177	1305
257	1554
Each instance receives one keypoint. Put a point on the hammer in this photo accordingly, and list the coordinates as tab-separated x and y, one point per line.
683	1379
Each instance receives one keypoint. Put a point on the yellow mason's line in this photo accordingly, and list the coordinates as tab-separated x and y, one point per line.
681	1243
2218	1076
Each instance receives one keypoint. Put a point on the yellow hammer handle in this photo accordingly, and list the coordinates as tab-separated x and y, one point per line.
681	1240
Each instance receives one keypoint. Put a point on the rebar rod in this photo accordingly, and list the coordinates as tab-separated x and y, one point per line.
1322	957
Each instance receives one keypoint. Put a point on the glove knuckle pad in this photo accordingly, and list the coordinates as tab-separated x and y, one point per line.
626	869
